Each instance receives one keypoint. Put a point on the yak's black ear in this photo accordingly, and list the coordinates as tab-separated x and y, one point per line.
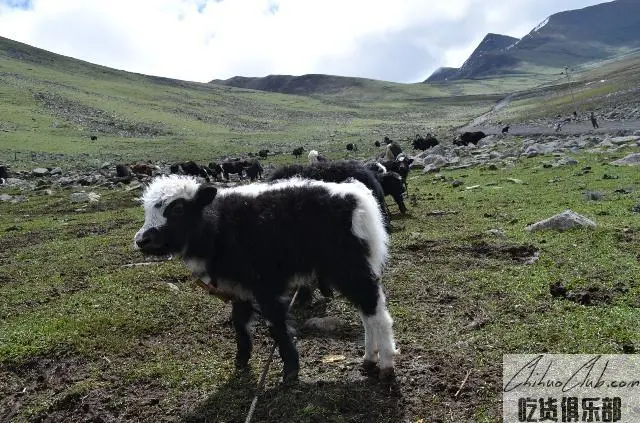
205	195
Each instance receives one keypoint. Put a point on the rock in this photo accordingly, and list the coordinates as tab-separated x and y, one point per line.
56	171
325	324
593	196
636	208
497	233
630	160
66	180
40	171
566	220
84	197
5	197
515	181
624	140
567	161
431	168
457	183
472	187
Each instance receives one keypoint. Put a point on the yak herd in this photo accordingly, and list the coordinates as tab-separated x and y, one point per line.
321	225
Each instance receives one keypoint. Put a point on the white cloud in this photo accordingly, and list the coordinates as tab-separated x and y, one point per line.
201	40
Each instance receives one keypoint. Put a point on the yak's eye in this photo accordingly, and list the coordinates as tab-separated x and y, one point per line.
177	209
158	205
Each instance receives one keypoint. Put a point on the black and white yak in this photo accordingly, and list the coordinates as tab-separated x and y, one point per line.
391	183
401	165
315	157
257	241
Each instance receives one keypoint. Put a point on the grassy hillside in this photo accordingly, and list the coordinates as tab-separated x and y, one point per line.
53	104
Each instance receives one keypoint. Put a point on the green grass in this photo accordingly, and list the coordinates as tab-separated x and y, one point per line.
82	333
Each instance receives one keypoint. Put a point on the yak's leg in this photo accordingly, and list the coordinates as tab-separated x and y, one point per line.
366	293
276	313
241	314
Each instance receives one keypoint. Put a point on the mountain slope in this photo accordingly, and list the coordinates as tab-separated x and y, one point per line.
564	39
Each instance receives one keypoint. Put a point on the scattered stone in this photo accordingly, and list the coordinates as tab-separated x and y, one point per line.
497	233
5	197
630	160
56	171
570	161
476	324
84	197
173	286
593	196
636	208
325	324
561	222
472	187
515	181
606	176
624	140
457	183
431	168
40	171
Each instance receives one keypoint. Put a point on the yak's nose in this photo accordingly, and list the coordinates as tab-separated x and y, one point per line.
143	241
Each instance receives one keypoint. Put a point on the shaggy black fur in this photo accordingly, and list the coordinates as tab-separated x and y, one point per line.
470	138
420	143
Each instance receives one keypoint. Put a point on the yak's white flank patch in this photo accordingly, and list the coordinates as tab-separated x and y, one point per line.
162	191
380	325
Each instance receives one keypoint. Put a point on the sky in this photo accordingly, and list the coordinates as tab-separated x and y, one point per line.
201	40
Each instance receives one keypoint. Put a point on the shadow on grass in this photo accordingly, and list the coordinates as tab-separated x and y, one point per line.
363	400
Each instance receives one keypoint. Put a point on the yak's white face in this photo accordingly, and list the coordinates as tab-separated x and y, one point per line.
162	192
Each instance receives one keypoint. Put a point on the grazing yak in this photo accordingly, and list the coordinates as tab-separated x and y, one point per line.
297	152
420	143
191	168
469	138
315	157
337	171
401	165
258	241
391	183
263	153
377	144
229	167
143	169
352	147
93	137
4	172
254	170
505	130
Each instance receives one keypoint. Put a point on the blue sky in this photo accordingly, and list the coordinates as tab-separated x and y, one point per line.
201	40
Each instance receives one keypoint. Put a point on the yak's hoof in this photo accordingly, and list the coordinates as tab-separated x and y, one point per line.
387	374
242	363
370	368
290	377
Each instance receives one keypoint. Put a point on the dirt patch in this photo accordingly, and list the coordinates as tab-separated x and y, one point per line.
429	385
474	253
590	296
526	254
